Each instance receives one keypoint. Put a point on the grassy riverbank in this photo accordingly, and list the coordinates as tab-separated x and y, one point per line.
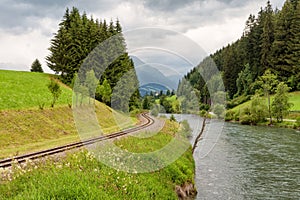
81	176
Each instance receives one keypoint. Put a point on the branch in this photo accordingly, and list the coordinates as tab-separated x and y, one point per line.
198	138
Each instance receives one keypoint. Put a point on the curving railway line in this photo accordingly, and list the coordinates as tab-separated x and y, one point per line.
22	158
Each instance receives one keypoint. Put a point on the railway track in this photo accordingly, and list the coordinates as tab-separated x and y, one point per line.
22	158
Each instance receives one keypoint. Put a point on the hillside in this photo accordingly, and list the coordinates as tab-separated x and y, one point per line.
294	98
21	90
26	128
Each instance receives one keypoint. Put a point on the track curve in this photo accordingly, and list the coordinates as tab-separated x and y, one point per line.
22	158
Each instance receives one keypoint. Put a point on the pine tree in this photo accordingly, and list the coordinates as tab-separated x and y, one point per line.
294	49
280	51
267	38
36	66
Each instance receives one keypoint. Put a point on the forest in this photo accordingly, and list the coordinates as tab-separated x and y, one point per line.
76	54
270	41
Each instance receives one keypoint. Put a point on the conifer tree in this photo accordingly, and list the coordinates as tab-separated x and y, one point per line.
36	66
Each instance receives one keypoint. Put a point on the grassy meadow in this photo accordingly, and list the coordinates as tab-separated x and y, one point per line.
21	90
81	176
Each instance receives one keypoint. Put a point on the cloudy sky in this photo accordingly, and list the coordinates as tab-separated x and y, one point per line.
27	26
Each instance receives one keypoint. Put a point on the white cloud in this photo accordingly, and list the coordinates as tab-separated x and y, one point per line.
19	51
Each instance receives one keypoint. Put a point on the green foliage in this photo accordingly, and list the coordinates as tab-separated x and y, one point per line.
271	41
155	110
76	44
258	109
230	115
255	113
245	116
91	83
244	81
237	101
203	113
36	66
103	92
298	122
280	104
55	90
146	103
219	110
268	82
186	129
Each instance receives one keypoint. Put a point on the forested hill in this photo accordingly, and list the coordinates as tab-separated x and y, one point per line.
271	40
77	42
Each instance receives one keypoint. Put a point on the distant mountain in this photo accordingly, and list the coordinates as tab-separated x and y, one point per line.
151	79
152	87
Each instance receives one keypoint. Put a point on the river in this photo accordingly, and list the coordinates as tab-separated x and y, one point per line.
246	162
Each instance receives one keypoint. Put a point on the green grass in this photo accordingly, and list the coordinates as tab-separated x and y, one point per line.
25	128
21	90
81	176
29	130
294	97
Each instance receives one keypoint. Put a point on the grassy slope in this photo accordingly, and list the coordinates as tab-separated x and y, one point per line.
81	176
294	98
25	128
21	90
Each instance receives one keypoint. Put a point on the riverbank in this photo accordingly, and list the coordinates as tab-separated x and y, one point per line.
80	175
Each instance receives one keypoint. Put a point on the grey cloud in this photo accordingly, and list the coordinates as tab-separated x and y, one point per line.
18	16
173	5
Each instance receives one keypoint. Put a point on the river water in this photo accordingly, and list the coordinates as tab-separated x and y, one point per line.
246	162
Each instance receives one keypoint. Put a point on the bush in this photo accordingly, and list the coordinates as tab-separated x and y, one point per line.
172	118
245	116
245	119
230	115
298	122
237	116
219	110
203	113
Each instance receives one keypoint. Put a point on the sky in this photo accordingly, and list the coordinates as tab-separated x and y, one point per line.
27	26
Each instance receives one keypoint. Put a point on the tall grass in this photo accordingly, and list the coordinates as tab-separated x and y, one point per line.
81	176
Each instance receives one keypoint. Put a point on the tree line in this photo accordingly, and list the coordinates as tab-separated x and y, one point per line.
263	61
270	41
74	54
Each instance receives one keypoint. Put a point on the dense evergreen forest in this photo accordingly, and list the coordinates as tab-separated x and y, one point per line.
270	41
76	43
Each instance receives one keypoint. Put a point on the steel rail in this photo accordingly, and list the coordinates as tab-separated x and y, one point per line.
39	154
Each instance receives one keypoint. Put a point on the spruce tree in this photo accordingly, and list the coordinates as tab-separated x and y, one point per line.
36	66
267	38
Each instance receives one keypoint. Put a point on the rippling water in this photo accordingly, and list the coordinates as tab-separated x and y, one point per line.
247	162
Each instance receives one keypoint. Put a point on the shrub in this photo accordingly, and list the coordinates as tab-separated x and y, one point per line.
298	122
245	119
230	115
245	116
203	113
172	118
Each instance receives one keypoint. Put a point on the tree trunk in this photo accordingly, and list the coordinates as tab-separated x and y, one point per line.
198	138
269	107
